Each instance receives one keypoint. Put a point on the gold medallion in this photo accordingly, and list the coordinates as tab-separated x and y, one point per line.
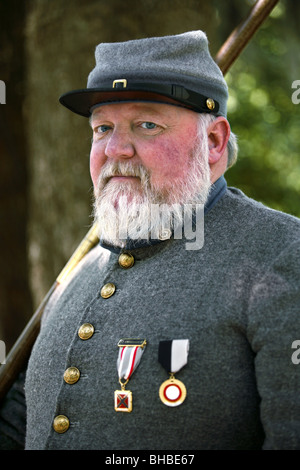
172	392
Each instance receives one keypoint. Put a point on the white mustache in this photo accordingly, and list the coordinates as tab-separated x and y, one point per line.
121	169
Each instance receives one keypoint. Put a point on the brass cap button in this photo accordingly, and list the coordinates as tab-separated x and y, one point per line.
86	331
108	290
61	424
71	375
210	103
126	260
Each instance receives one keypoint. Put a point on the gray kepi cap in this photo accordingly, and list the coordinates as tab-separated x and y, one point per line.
177	70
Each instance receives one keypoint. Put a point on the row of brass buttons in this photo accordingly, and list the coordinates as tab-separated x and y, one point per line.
72	374
61	423
126	261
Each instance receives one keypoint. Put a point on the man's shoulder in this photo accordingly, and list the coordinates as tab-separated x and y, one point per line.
249	219
241	204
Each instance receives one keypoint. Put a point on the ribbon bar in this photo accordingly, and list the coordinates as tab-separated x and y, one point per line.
131	342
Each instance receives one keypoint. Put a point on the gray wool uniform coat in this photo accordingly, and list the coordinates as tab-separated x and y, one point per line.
237	301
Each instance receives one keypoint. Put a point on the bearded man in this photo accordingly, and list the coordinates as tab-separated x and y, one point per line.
153	343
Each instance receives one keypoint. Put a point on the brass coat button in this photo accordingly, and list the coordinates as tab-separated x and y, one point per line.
61	424
86	331
71	375
126	260
108	290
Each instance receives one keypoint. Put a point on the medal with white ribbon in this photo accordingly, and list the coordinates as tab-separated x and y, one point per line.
130	354
173	356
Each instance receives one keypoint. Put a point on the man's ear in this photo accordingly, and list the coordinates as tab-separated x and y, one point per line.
218	134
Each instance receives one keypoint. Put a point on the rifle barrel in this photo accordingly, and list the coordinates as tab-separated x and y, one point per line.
242	34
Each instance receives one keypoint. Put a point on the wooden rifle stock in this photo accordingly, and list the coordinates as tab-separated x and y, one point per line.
19	354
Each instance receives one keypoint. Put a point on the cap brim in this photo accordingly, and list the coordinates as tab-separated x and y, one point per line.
82	101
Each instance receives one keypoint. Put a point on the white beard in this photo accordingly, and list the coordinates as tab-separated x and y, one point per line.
124	211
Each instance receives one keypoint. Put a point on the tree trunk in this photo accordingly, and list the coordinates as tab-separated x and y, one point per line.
15	297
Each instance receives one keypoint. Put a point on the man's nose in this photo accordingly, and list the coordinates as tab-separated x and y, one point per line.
120	145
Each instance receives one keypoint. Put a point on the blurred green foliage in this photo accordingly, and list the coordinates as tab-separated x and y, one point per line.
263	116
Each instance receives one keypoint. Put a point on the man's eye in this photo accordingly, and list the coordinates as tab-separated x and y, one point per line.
102	129
148	125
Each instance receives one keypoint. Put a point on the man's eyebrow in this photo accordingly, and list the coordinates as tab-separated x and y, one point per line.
142	110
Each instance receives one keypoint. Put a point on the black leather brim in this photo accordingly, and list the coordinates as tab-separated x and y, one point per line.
82	101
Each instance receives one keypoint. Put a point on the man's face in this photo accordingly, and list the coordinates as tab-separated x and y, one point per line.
146	153
157	136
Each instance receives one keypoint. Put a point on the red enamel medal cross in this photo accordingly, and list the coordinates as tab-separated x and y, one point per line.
123	400
130	354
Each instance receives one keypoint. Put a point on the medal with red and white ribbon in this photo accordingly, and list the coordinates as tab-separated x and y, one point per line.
173	356
130	354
